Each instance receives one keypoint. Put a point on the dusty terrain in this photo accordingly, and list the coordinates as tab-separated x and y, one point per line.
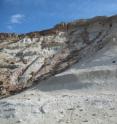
84	93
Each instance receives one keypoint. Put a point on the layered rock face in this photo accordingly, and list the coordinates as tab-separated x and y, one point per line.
29	58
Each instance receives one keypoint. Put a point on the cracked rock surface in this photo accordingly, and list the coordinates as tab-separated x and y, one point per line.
67	75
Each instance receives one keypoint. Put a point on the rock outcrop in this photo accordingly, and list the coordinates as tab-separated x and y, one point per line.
29	58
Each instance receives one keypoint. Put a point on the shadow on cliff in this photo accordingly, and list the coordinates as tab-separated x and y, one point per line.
68	82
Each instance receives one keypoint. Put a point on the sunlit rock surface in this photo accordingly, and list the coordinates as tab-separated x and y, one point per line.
78	61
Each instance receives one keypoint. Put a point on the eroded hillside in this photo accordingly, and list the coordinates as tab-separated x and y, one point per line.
30	58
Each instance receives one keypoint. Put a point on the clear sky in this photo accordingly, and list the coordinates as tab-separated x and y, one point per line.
22	16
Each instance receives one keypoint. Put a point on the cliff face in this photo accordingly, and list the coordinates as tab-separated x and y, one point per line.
28	58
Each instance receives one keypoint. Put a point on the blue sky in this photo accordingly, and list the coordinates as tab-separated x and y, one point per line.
22	16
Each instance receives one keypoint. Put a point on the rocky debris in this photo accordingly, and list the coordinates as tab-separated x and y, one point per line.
8	36
83	94
37	56
54	108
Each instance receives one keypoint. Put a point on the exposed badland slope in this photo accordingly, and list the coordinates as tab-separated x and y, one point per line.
78	60
29	58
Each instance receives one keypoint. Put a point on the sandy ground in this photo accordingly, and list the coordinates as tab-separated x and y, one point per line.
84	94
